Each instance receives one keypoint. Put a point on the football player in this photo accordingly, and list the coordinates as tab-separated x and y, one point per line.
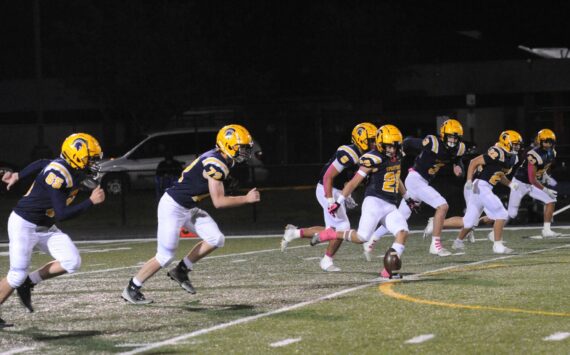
381	196
528	176
336	172
436	152
32	222
496	164
178	208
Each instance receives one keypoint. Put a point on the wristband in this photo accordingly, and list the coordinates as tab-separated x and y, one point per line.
340	199
330	200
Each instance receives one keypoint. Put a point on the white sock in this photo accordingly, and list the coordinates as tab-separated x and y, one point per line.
35	277
435	239
137	282
399	248
546	226
327	258
498	243
297	233
187	262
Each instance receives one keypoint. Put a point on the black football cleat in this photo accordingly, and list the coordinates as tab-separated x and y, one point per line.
3	324
179	273
25	294
132	293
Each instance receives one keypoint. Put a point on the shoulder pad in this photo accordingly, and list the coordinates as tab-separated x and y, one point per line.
533	157
57	176
432	142
369	160
346	155
461	149
496	154
215	168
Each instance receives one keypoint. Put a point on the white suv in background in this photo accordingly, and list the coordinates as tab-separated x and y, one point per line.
136	168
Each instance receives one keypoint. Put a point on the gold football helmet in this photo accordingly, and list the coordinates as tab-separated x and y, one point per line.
235	141
510	141
451	128
81	150
545	135
389	135
363	136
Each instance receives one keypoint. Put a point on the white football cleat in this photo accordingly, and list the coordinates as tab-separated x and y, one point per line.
428	230
328	266
550	234
288	235
501	249
368	249
438	250
458	245
471	236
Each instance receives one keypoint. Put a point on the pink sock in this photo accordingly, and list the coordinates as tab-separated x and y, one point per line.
302	232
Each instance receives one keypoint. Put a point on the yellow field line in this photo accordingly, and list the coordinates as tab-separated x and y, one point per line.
387	289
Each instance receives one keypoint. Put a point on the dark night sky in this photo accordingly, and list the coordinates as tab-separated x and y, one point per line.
256	49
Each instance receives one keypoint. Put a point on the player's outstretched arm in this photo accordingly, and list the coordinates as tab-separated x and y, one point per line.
220	200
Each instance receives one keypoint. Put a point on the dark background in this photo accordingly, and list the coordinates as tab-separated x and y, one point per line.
298	74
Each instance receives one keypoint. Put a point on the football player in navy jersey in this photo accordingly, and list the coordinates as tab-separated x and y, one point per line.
32	222
529	176
178	208
436	152
381	196
496	164
337	171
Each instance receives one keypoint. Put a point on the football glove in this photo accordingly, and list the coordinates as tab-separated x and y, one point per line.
412	204
349	203
468	185
333	208
550	192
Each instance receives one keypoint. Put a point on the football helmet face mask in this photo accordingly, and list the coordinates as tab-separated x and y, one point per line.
451	129
363	136
511	141
545	136
236	142
82	151
389	135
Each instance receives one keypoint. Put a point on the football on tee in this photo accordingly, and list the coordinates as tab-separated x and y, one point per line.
392	262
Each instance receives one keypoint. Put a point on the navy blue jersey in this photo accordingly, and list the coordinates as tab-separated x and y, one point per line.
192	186
435	155
384	178
540	158
51	194
498	163
346	157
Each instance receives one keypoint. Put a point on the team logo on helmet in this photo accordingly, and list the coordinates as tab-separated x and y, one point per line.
78	144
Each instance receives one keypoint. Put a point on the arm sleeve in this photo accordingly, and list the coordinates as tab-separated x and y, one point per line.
63	212
33	168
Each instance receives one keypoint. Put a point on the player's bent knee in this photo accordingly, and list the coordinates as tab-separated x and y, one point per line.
165	258
443	207
16	278
218	241
72	264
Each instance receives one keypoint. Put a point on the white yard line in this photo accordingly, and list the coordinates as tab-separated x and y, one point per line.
17	351
285	342
152	238
557	336
196	333
420	339
239	261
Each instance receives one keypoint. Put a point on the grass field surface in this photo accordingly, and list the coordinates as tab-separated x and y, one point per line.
254	299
